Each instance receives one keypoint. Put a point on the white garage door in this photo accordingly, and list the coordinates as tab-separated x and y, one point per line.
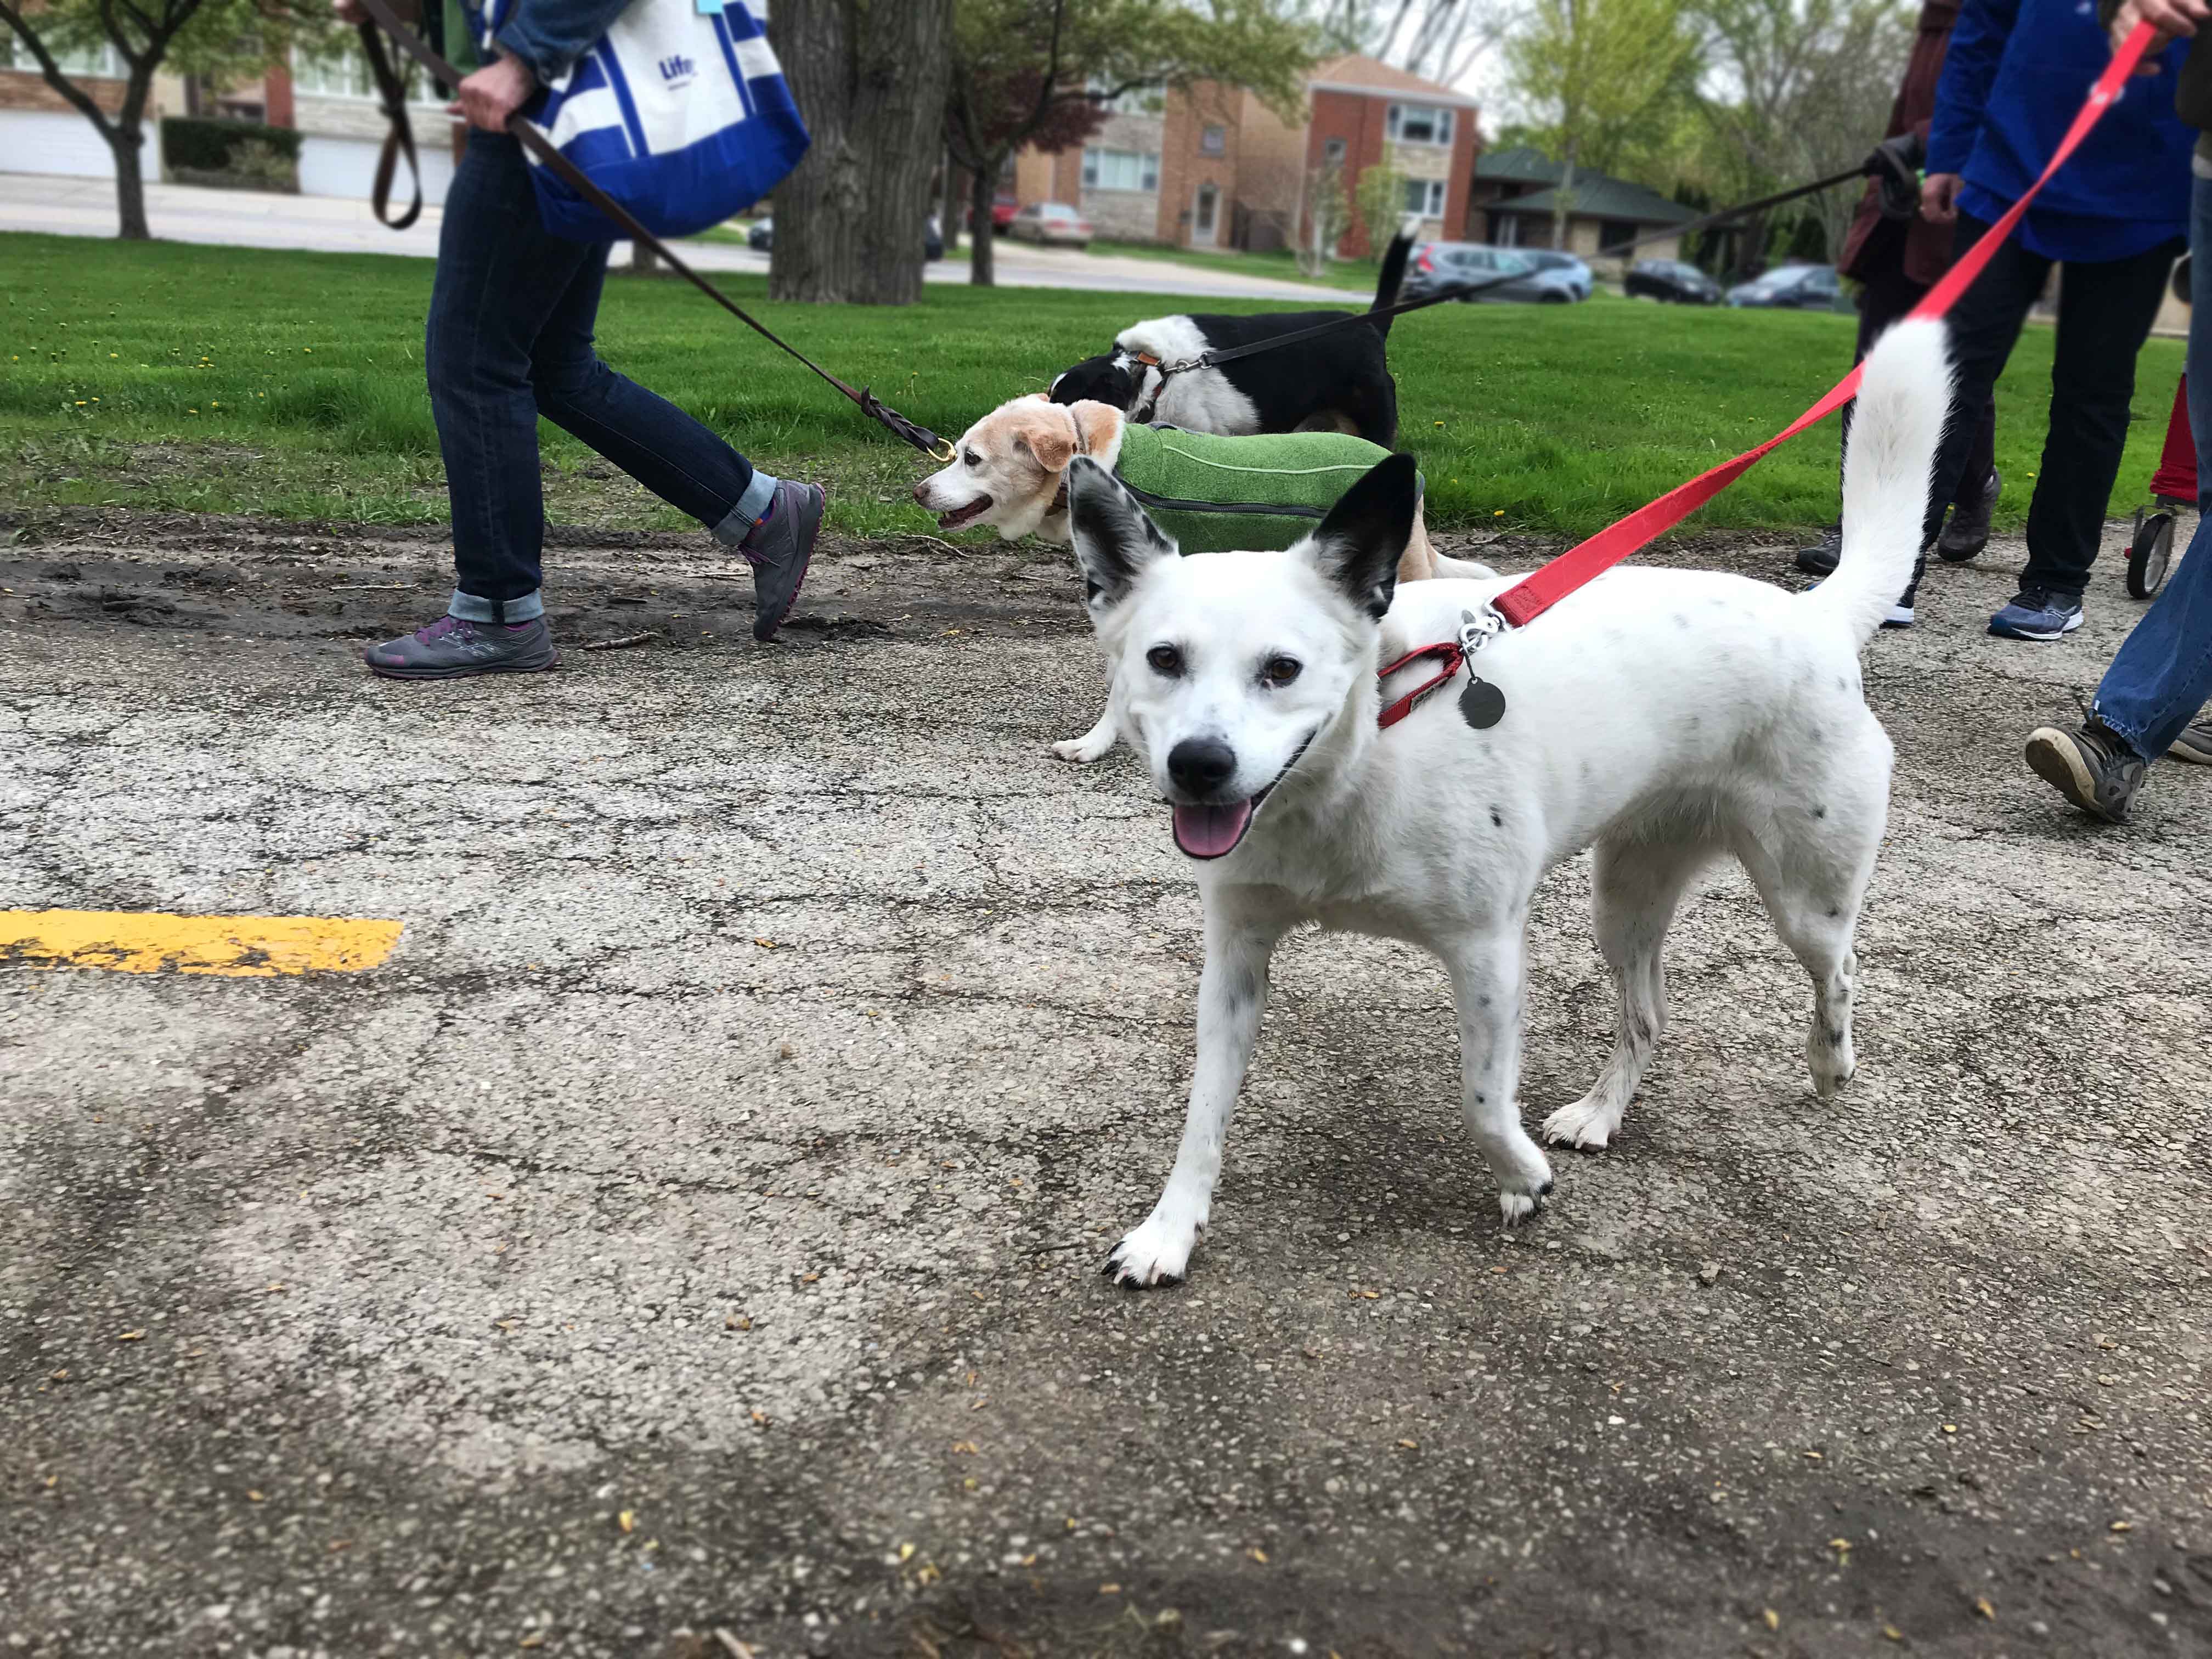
46	140
347	167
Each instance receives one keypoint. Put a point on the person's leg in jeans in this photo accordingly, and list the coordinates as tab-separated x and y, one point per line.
2106	309
2160	680
503	282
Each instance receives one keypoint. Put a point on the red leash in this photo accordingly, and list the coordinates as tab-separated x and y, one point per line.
1529	598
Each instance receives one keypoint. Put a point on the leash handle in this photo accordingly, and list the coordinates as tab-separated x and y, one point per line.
1534	594
533	138
399	137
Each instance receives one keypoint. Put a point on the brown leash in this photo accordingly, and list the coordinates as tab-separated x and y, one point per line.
533	139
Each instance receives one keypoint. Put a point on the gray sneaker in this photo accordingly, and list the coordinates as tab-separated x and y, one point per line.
452	648
2195	744
778	548
2092	768
1967	531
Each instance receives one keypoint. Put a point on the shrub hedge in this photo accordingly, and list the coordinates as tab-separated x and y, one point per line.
206	146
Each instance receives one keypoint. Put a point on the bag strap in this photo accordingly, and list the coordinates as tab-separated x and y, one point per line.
399	140
533	138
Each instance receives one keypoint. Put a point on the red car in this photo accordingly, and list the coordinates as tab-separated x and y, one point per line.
1002	214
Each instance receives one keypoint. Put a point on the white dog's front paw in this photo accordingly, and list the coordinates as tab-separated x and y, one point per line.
1157	1252
1522	1190
1083	750
1589	1124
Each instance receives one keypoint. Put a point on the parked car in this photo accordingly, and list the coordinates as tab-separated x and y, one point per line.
1051	221
1672	282
1003	208
1790	288
1436	265
1567	264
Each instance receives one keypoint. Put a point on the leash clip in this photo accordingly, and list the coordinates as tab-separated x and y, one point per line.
1477	631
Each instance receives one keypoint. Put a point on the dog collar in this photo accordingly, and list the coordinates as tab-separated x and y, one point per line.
1481	705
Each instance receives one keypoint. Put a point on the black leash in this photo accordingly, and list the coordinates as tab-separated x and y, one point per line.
1211	359
1735	212
534	140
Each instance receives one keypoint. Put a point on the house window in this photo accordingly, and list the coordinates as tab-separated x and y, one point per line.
1419	124
100	60
1121	169
1331	151
1425	197
1505	229
1612	233
1213	141
345	74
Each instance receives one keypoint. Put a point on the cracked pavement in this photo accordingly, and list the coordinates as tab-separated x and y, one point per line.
686	1243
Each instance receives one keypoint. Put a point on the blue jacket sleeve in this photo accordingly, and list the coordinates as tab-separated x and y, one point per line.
550	35
1970	68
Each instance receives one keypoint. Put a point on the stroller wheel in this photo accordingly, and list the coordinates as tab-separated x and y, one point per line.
2150	555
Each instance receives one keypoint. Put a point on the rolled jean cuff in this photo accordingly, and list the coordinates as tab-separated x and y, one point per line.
468	608
747	513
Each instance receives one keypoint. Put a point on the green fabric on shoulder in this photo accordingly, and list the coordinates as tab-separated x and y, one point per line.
1214	493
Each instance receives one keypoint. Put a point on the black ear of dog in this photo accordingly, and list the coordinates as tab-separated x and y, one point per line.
1360	542
1095	380
1115	538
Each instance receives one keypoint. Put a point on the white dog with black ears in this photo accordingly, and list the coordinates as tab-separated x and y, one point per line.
1667	717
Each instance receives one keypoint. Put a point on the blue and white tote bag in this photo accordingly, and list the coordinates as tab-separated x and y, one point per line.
680	112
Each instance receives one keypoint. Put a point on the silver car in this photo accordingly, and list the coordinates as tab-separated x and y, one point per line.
1506	274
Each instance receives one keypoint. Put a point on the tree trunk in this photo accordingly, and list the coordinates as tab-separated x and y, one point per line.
869	77
126	140
641	261
948	204
981	193
1562	200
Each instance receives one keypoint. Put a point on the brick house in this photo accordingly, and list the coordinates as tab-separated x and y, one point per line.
1213	166
1514	202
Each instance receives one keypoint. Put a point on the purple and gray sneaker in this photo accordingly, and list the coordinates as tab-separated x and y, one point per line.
451	648
778	548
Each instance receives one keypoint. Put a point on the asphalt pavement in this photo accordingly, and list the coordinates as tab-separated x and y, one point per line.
684	1241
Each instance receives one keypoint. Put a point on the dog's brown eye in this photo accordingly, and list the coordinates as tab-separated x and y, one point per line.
973	458
1281	670
1164	659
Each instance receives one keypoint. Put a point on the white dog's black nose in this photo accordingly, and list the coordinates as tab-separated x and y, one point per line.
1201	765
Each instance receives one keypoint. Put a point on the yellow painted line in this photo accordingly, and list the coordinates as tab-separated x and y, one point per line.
145	942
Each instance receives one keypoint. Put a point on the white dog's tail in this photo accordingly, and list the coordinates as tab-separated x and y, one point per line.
1902	401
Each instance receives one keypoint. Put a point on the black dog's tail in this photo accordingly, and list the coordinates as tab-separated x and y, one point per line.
1393	274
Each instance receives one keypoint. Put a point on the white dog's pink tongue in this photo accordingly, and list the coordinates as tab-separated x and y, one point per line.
1207	832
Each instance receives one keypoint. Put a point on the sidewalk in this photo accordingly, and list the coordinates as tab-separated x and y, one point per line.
324	224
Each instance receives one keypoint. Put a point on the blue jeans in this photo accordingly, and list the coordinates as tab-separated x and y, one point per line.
2163	672
510	339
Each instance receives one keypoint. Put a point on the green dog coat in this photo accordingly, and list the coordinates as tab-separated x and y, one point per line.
1214	493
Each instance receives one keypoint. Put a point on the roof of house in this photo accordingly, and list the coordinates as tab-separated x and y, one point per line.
1600	196
1356	73
1521	162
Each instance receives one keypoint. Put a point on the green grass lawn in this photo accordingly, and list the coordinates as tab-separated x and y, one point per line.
239	381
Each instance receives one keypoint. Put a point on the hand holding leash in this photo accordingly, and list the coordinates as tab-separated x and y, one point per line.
489	97
2172	19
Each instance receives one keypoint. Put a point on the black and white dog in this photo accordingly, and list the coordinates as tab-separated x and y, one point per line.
1341	381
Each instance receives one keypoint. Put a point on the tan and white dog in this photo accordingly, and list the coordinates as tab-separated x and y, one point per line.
1009	472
